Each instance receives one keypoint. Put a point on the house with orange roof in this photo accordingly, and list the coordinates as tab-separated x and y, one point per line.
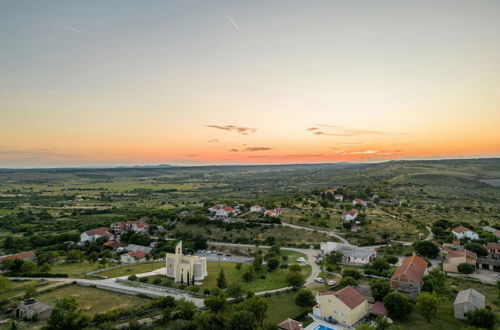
493	250
94	234
408	278
361	202
464	232
346	306
350	216
256	208
457	257
132	256
28	255
273	213
290	324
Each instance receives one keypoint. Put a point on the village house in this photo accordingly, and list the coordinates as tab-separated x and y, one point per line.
256	208
185	268
132	256
349	216
111	245
346	306
28	255
273	213
94	234
493	250
32	309
462	232
338	197
466	301
355	228
457	257
361	202
408	278
125	226
353	255
492	230
138	248
290	324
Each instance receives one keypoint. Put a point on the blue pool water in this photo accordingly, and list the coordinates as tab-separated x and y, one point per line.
322	327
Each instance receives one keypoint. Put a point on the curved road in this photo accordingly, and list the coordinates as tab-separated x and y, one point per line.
328	232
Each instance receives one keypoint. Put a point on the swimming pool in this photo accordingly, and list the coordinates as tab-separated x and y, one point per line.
322	327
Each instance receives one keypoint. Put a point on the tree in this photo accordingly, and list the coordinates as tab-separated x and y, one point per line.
481	317
257	263
380	265
294	268
93	257
30	292
215	303
5	283
391	259
258	307
466	268
73	256
242	320
295	280
235	290
184	310
66	316
221	279
477	249
347	281
272	264
426	249
380	288
238	266
354	273
426	304
334	257
248	275
397	305
435	281
305	298
28	267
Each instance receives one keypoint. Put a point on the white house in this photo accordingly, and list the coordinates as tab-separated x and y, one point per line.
461	232
466	301
132	256
338	197
359	202
273	213
353	254
224	212
350	216
92	235
256	208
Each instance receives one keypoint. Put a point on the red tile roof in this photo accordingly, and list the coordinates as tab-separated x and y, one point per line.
461	253
378	308
460	229
290	324
493	246
228	208
102	231
20	255
412	267
348	295
113	244
137	254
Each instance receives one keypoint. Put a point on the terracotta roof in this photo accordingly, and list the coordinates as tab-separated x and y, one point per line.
350	297
137	254
353	212
456	243
102	231
460	229
113	244
290	324
338	195
461	253
493	246
357	200
412	267
20	255
378	308
227	208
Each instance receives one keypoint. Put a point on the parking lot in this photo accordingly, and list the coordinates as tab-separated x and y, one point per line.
214	256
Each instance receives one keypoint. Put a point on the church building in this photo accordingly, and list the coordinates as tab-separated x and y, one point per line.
185	268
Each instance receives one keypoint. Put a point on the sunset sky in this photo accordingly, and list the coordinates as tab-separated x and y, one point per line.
235	82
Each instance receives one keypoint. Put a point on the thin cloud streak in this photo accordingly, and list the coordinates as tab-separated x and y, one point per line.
233	22
232	128
67	27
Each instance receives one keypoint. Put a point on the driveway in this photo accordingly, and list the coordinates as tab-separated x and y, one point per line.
327	232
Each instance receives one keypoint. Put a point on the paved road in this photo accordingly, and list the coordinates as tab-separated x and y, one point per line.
112	285
328	232
310	253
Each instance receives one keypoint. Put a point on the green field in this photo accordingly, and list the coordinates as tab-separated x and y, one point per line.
274	280
281	307
91	300
74	270
126	270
